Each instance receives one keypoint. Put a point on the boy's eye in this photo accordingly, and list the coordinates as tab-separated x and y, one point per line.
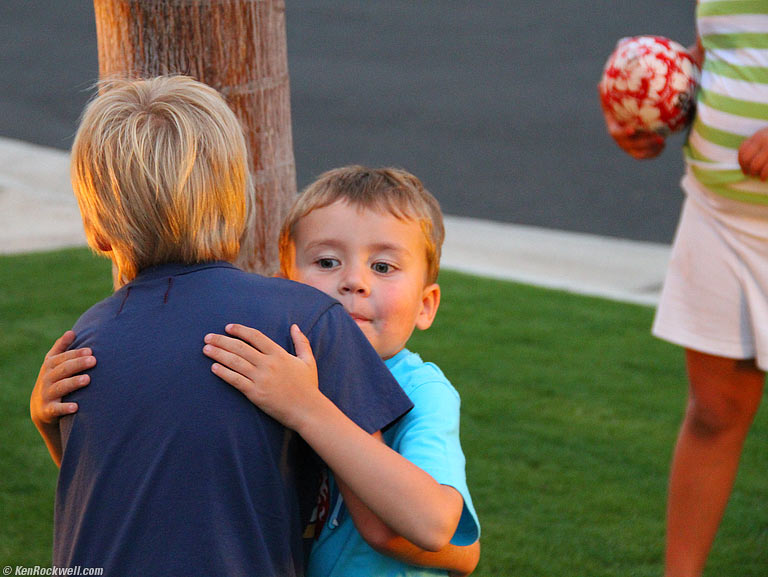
382	267
327	262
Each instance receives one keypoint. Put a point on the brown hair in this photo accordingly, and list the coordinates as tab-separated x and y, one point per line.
159	169
390	190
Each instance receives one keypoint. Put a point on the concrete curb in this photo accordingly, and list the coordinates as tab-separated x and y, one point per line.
616	269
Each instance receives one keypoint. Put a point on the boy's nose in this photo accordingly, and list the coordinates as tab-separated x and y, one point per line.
354	281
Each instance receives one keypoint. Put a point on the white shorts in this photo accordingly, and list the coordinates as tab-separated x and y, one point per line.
715	295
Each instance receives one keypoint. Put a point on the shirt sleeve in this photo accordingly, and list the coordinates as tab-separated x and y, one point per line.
351	373
429	437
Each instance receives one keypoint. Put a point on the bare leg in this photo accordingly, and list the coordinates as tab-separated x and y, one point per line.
723	398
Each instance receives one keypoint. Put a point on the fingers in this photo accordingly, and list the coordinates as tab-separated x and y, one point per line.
753	155
236	356
247	347
747	152
256	338
233	360
61	373
68	363
55	410
641	145
235	346
64	387
638	144
62	381
754	160
241	383
302	346
51	397
61	344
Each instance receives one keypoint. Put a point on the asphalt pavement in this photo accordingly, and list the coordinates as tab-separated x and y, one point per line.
492	104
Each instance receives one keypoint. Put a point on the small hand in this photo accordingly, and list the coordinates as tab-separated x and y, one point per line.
753	155
280	384
638	144
57	378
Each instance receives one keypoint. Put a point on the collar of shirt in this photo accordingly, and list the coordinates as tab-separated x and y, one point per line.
176	269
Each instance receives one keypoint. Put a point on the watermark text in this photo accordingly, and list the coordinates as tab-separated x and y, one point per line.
41	570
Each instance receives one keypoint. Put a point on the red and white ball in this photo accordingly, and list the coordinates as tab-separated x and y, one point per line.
649	84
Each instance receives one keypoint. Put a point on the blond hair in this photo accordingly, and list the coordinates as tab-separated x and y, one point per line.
159	170
390	190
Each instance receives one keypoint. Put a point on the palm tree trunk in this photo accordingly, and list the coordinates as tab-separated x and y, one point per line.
239	48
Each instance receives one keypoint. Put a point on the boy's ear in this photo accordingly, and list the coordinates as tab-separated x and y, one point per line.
430	301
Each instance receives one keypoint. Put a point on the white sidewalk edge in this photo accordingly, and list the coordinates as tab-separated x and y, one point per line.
617	269
37	208
39	212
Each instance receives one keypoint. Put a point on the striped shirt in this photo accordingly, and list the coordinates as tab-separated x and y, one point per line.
732	102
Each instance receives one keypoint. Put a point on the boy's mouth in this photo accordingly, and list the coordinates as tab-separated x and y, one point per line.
359	318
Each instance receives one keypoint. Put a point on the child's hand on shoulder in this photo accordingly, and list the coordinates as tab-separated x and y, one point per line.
59	376
753	155
280	384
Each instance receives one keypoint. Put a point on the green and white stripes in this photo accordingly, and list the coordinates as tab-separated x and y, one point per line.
733	96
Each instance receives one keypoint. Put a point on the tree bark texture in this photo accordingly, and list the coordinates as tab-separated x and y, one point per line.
237	47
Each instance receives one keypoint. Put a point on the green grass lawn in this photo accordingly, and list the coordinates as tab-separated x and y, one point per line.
570	410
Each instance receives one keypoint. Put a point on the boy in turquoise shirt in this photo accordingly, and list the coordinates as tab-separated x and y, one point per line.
372	240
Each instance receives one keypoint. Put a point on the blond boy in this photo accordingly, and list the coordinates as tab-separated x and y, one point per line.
163	469
372	240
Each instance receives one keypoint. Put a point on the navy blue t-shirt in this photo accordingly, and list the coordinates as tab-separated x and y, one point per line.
168	470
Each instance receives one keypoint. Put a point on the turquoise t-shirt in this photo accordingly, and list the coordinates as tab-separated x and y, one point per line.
428	436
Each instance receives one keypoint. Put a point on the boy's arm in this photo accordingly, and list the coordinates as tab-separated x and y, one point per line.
406	498
460	561
58	377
